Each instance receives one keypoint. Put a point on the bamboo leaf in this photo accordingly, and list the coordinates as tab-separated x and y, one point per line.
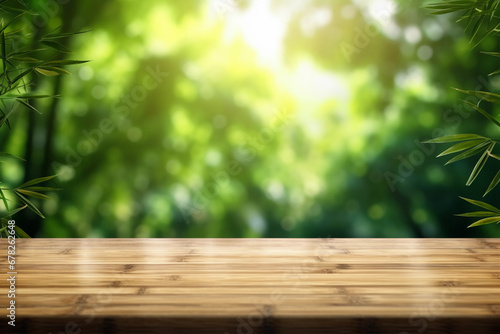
27	105
4	54
487	96
13	212
56	70
484	113
28	203
37	181
476	214
26	59
35	96
64	62
477	27
4	119
25	52
449	7
479	165
26	96
41	189
4	154
494	54
482	205
485	221
460	147
494	73
32	194
455	138
62	35
493	183
11	21
23	74
56	46
20	232
469	153
486	35
4	200
47	73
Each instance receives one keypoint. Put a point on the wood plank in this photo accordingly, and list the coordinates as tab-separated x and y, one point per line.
255	285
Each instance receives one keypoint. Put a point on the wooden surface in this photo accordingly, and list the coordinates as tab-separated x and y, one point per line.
254	286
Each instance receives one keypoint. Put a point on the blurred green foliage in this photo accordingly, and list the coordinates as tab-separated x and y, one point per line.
230	118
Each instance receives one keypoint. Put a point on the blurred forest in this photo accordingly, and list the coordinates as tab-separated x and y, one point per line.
232	118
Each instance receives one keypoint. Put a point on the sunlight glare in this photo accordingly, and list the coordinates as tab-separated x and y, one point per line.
262	29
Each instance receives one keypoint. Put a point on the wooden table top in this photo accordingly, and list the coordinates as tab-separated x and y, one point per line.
253	286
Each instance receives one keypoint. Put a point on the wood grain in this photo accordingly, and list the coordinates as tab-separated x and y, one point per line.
254	286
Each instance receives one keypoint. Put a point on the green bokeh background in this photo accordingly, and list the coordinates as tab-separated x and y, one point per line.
229	118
